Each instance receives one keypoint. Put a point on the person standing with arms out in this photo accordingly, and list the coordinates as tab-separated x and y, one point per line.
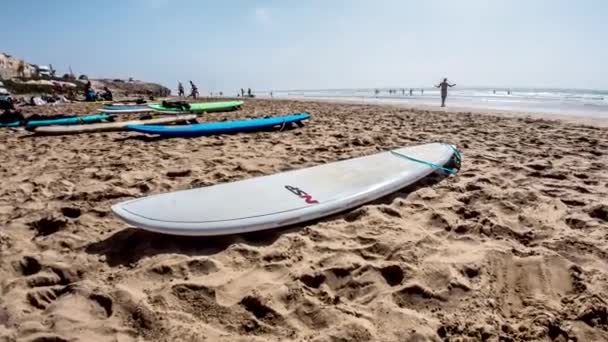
444	90
180	89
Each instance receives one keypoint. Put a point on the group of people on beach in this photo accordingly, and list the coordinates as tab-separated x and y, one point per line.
91	95
444	85
193	90
249	94
394	91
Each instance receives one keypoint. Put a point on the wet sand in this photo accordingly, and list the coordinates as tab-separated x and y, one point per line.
514	247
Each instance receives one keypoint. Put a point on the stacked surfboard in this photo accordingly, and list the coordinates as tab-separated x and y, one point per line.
200	107
126	109
112	126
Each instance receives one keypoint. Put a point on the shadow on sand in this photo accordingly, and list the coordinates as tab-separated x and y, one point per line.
129	245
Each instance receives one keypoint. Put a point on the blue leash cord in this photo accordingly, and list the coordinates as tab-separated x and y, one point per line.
457	156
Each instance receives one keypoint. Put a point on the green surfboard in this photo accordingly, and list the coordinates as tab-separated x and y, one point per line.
200	107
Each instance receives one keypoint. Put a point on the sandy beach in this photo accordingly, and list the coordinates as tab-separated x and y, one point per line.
512	248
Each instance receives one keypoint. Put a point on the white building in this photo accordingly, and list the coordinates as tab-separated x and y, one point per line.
43	70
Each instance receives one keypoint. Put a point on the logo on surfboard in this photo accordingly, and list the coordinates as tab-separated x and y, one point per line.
302	194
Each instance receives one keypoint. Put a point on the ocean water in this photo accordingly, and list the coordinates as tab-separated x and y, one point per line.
575	102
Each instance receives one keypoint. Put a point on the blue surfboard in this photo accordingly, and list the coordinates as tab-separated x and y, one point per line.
211	128
75	120
69	121
11	124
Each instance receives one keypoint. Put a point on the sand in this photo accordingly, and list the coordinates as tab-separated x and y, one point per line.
512	248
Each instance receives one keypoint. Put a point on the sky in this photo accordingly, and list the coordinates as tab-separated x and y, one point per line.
287	45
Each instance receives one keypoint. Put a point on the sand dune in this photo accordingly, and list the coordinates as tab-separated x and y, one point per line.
514	247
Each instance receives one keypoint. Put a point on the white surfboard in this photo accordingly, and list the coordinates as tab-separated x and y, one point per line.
126	110
284	198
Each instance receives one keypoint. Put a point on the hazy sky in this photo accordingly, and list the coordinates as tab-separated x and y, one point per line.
274	44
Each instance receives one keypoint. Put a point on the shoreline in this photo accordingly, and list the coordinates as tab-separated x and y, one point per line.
570	118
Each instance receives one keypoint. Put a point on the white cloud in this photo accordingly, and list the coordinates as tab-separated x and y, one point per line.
262	15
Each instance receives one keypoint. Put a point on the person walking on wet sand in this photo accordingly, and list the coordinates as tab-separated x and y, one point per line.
444	90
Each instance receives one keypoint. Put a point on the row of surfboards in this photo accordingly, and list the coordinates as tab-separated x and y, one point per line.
184	121
281	199
200	107
272	201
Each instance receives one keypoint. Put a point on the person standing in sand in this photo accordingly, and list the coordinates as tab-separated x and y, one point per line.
444	90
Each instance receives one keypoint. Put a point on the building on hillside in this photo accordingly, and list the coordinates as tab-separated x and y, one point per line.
11	67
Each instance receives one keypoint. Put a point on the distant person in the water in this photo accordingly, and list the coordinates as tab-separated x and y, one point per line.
249	92
180	89
411	91
509	92
242	92
444	90
494	91
421	91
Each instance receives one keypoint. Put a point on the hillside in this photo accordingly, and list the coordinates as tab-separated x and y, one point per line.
127	88
13	67
22	77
